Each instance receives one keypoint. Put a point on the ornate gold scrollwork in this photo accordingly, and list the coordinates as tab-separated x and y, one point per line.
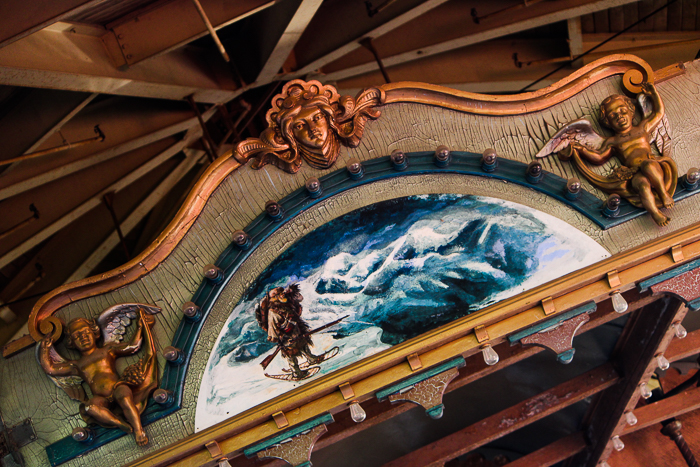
309	122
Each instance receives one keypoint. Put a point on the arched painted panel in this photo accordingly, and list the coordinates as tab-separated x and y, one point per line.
396	269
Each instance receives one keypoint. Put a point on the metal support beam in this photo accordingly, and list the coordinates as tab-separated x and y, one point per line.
536	16
193	156
89	161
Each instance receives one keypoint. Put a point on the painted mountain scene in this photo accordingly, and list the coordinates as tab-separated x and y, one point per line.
374	278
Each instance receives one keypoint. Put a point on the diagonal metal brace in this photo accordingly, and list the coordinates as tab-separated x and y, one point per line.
556	334
426	388
293	446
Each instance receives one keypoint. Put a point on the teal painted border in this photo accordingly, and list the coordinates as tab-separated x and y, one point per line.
322	420
645	285
589	307
458	362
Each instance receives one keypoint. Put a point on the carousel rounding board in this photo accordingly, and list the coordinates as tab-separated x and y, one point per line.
363	247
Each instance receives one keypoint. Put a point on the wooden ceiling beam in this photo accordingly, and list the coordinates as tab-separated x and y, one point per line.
80	62
540	14
155	31
102	156
306	10
36	117
377	31
21	18
128	224
62	222
518	416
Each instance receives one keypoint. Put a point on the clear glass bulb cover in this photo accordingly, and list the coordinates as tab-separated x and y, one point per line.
619	303
679	330
357	413
617	443
631	418
645	391
490	355
662	362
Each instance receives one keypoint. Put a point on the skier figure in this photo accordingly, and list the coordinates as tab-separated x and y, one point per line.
279	314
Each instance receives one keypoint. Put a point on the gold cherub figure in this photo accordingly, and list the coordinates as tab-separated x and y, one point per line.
644	179
97	366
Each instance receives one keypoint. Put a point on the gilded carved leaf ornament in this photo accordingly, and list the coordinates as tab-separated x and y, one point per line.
309	122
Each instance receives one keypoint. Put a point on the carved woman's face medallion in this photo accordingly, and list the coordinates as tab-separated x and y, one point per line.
310	128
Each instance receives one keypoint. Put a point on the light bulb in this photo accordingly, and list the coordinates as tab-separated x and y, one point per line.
619	303
662	362
617	443
357	413
631	418
490	355
644	390
224	463
679	330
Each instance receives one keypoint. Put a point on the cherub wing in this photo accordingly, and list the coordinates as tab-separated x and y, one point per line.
661	134
72	385
115	319
580	131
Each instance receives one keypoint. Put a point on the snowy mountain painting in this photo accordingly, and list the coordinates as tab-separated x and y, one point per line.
398	269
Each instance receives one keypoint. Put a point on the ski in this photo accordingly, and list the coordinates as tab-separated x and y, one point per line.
308	373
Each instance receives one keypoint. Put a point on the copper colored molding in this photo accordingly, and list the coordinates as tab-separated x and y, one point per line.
480	104
408	92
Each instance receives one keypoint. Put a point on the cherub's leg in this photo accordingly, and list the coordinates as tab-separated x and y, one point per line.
643	187
125	398
655	174
98	408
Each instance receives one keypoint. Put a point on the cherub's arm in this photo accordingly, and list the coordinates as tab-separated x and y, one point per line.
130	348
658	113
595	157
51	367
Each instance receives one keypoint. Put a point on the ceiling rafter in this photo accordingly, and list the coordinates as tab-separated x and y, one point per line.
538	15
85	65
54	128
156	31
103	156
127	225
192	135
21	18
307	9
385	28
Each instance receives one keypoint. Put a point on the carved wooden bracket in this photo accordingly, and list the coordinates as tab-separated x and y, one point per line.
682	282
293	446
556	334
425	389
